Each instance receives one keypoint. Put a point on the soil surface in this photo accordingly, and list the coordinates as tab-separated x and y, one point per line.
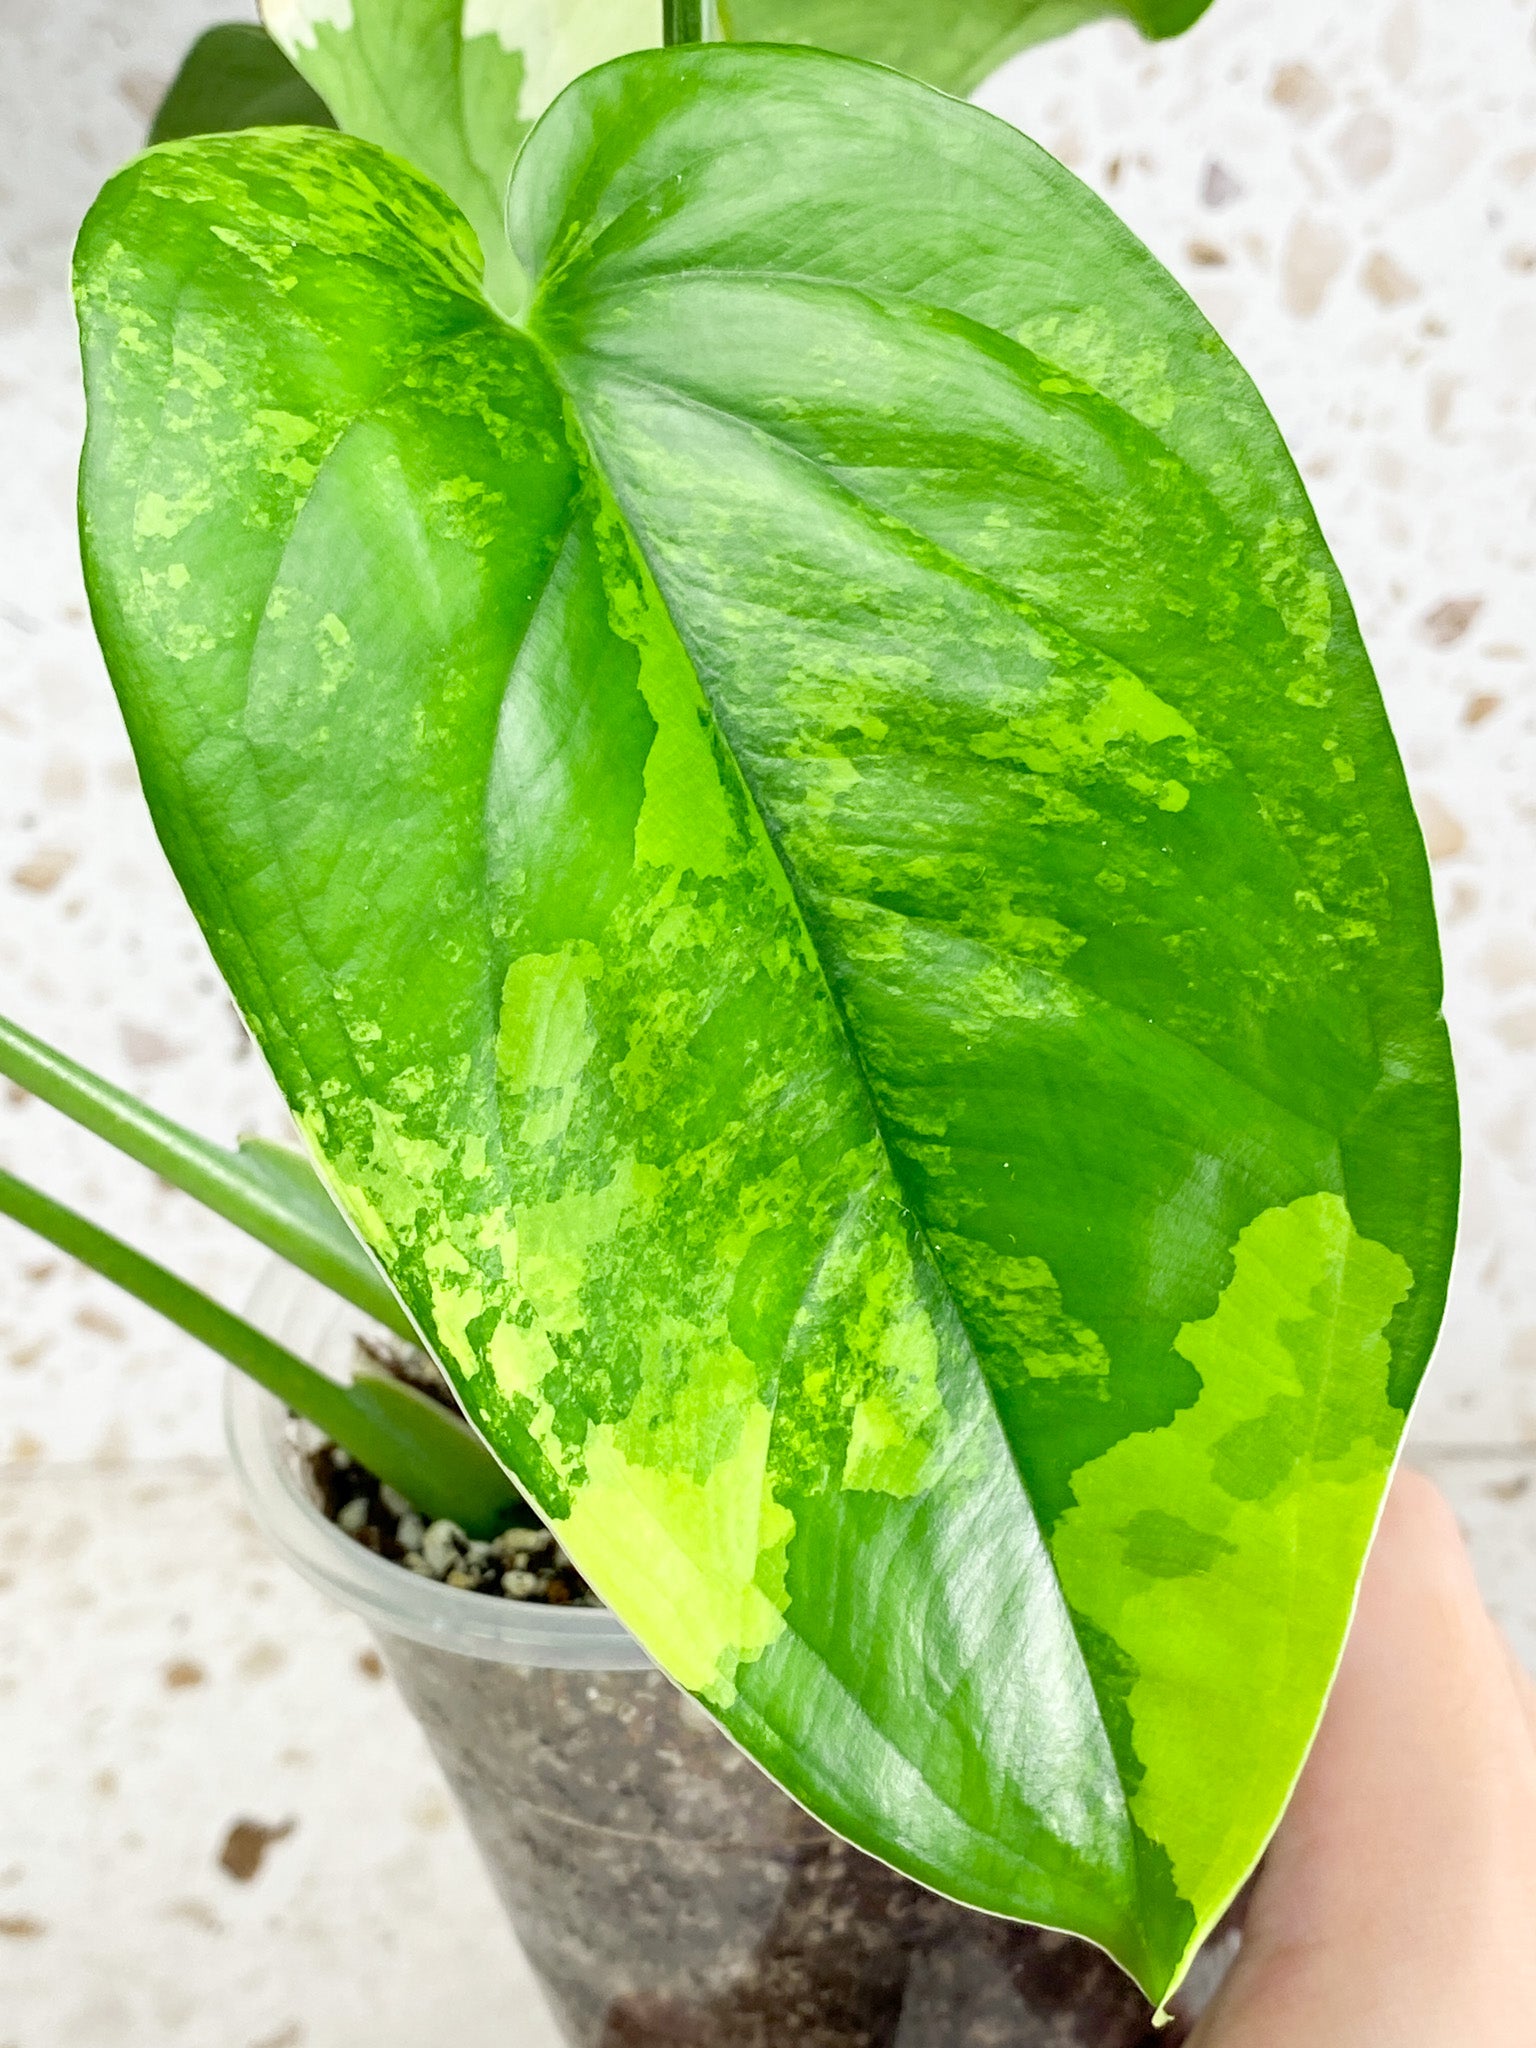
523	1563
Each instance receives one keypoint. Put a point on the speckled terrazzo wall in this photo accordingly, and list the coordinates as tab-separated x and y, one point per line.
97	951
1350	193
1351	196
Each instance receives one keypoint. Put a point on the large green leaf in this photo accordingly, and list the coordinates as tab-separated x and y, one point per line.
955	46
812	841
235	76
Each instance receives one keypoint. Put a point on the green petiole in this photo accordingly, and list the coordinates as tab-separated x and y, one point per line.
269	1192
404	1438
683	22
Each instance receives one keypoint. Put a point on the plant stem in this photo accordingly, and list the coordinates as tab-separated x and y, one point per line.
683	21
270	1194
403	1438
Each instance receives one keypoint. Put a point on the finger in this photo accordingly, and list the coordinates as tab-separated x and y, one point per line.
1525	1687
1398	1901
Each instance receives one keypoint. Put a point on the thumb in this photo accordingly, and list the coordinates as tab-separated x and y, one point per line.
1397	1905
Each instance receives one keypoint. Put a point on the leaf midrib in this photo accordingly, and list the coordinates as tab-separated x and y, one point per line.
1130	1835
977	579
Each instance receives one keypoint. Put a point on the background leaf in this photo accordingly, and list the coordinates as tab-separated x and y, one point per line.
954	46
812	842
235	76
453	86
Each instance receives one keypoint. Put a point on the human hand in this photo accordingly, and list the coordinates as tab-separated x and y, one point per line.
1397	1905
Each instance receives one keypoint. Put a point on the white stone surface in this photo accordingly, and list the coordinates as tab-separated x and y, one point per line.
164	1678
97	950
1348	192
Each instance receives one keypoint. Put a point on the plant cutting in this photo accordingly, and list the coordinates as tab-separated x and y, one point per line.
770	749
270	1192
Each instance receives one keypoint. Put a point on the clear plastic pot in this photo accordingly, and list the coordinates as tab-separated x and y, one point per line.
667	1893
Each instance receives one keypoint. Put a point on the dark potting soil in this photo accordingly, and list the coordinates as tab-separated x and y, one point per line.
669	1895
523	1563
667	1892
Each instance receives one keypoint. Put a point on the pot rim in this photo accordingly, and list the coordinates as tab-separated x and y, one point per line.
305	1316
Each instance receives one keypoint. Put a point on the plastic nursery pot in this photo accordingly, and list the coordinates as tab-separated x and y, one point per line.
668	1894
